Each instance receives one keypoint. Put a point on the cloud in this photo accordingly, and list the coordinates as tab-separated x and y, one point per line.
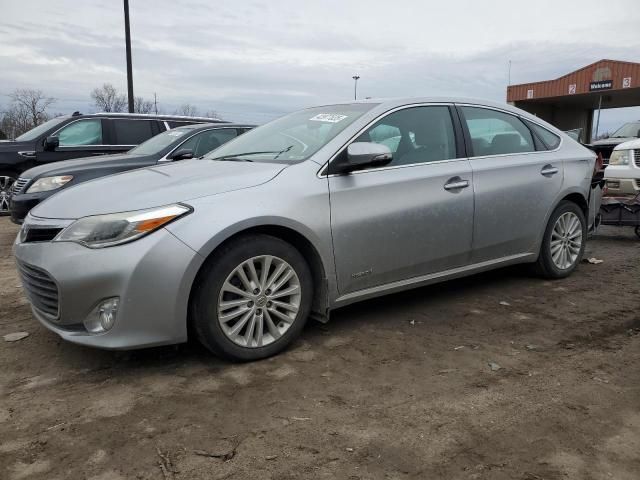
255	60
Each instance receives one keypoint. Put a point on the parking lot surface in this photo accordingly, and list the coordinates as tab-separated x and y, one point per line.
497	376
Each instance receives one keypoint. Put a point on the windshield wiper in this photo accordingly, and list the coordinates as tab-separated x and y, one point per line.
236	156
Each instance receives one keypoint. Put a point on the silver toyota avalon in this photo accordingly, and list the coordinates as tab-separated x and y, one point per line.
318	209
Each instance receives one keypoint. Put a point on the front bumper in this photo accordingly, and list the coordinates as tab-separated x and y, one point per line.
151	276
623	186
22	203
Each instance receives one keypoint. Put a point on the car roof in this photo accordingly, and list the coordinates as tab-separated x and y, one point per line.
149	116
207	126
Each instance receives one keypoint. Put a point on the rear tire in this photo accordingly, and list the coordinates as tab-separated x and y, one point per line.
252	298
563	242
7	179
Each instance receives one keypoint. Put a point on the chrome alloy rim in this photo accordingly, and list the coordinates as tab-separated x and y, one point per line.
259	301
5	192
566	240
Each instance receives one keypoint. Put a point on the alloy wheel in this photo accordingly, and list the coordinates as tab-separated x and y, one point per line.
566	240
259	301
6	183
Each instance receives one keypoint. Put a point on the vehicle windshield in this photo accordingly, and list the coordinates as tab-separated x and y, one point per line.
161	141
35	132
627	130
294	137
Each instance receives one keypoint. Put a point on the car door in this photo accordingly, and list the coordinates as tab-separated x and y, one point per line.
411	217
514	184
81	138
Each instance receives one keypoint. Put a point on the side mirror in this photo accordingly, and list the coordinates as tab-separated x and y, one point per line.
363	154
182	154
51	143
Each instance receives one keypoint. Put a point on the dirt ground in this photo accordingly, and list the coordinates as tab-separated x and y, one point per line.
396	388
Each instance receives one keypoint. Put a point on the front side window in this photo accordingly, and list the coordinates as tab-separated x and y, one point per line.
415	135
204	142
132	132
82	132
496	133
294	137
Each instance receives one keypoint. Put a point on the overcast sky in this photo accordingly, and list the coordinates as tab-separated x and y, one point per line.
254	60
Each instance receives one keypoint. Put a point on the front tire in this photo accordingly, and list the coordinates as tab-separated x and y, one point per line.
563	242
7	179
252	298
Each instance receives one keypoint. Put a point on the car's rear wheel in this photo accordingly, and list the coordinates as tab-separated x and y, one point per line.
7	179
252	298
564	241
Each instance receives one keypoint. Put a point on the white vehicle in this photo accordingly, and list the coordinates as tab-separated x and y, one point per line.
623	172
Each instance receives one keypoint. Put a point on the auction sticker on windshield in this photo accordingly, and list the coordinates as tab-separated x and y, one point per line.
328	117
175	134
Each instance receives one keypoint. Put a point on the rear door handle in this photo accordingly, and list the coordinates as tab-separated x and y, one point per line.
549	170
456	183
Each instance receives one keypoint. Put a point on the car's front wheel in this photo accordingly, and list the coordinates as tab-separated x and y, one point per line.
252	298
564	241
7	179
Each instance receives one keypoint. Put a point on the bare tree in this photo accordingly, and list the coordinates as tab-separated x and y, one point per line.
187	110
140	105
213	114
108	99
33	102
26	110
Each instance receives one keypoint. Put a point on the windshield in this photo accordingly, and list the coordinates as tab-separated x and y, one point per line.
294	137
40	129
627	130
160	142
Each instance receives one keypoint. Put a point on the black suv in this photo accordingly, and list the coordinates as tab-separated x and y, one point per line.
38	183
74	136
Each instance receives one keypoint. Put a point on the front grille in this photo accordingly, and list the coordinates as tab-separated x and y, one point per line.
40	289
636	157
34	234
637	180
18	185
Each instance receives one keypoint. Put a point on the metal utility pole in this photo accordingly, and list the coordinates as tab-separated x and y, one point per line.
509	73
598	118
127	36
355	86
155	101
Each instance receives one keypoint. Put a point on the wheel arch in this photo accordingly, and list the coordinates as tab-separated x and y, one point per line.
310	252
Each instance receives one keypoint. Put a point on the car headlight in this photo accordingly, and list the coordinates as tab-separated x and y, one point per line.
101	231
619	157
46	184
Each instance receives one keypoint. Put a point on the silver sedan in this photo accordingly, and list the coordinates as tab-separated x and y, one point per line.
318	209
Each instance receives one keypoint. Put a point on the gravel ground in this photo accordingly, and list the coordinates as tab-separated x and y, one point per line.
497	376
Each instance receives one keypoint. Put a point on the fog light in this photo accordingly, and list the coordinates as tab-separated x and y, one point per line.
103	316
614	184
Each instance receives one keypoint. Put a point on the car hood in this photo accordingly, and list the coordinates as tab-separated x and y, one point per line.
612	141
15	146
70	166
632	144
155	186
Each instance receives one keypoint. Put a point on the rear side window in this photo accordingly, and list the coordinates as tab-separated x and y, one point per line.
132	132
496	133
550	140
82	132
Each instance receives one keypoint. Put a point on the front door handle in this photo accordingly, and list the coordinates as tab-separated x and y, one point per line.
549	170
456	183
